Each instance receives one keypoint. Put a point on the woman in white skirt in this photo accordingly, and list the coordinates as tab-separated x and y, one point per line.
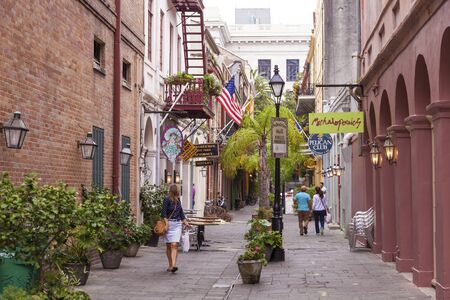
172	211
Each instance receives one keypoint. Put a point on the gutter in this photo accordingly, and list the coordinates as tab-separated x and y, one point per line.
116	101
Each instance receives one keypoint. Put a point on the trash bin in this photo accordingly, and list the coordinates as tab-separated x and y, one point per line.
237	204
16	273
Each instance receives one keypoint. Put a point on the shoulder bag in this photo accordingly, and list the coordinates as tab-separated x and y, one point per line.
162	225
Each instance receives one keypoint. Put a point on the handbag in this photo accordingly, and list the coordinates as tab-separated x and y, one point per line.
326	208
162	225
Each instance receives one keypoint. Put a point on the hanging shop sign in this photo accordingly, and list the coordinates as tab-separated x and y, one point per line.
279	137
172	143
189	150
310	163
202	163
320	144
206	150
342	122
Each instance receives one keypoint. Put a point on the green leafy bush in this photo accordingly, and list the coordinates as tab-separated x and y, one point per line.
179	78
211	87
264	213
257	226
272	238
152	197
254	251
137	234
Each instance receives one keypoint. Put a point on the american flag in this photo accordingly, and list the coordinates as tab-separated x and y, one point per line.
228	101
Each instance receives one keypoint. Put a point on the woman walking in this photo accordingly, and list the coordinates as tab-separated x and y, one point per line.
320	208
173	213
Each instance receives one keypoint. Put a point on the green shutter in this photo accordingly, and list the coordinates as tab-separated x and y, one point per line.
125	180
97	162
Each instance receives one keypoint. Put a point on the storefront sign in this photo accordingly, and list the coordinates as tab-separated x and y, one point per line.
189	150
320	144
206	150
345	122
202	163
279	137
172	143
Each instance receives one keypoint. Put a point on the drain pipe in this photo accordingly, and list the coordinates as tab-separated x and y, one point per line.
116	101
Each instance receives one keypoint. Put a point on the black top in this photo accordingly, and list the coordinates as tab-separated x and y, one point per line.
168	207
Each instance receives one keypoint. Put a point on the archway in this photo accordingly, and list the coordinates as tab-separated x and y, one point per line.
148	155
444	67
421	87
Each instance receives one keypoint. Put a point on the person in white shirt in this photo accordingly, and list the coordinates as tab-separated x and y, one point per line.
320	208
323	188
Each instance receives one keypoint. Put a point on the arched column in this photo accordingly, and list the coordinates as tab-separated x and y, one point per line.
440	111
388	230
422	198
403	204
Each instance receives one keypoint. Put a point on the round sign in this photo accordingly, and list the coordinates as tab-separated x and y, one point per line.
320	144
172	143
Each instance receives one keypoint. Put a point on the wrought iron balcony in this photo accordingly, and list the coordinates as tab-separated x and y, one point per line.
192	100
188	5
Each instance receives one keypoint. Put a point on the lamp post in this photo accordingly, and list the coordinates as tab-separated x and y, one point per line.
277	84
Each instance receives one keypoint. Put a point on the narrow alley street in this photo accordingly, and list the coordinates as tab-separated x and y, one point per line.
316	267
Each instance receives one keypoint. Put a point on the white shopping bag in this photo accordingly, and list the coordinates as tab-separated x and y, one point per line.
328	218
185	245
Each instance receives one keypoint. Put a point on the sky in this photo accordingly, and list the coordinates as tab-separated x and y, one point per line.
281	11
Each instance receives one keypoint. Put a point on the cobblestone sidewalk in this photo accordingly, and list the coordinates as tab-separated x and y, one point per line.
316	267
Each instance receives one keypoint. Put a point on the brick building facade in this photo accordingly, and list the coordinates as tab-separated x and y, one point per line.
57	69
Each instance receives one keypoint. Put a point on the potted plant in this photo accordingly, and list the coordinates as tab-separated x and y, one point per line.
136	236
257	226
29	240
270	240
179	78
152	197
251	262
211	87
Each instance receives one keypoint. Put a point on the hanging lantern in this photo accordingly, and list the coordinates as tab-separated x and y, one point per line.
390	150
375	155
125	155
87	146
15	132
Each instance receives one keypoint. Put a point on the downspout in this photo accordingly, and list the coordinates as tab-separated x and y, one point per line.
116	101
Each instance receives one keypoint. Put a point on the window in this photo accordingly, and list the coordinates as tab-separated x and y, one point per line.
149	28
161	40
97	162
170	49
126	73
264	68
395	11
381	35
125	175
292	69
99	55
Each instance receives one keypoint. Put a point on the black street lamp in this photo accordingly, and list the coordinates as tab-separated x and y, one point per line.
15	132
277	85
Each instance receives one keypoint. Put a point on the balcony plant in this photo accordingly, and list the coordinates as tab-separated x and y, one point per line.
152	197
179	78
211	87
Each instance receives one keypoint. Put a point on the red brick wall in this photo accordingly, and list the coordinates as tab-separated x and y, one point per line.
46	72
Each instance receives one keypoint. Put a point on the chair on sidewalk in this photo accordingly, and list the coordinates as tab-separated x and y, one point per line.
361	229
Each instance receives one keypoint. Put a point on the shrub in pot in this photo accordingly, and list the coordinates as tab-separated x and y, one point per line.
257	226
270	240
35	221
136	235
250	263
151	197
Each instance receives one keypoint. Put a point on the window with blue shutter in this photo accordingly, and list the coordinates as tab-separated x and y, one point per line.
264	66
125	180
97	163
292	68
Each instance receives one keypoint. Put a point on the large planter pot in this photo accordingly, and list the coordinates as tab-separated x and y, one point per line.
78	271
132	250
16	273
268	253
250	271
153	241
111	259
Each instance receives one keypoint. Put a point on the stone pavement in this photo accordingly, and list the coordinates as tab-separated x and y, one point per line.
316	267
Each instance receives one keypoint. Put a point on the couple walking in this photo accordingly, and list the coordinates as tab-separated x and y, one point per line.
318	206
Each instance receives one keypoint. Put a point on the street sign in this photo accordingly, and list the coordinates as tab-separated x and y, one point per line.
202	163
279	137
343	122
189	150
206	150
320	144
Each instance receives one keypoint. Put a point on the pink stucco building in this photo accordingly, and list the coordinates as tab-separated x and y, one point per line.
405	74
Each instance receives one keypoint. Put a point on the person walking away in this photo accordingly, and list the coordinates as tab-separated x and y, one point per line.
323	188
320	208
193	195
303	209
173	213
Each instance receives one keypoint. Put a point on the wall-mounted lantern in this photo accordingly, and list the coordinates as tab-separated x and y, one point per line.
203	171
125	155
87	146
329	172
15	131
167	177
176	177
375	155
390	150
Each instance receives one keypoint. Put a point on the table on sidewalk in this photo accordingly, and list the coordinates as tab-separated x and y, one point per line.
197	236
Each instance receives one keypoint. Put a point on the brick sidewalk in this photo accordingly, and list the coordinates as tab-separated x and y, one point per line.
316	267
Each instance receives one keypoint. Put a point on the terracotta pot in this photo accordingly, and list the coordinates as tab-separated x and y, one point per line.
250	271
78	271
153	240
132	250
111	259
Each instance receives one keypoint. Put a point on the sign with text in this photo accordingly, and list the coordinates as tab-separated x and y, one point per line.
202	163
320	144
279	137
189	150
342	122
206	150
